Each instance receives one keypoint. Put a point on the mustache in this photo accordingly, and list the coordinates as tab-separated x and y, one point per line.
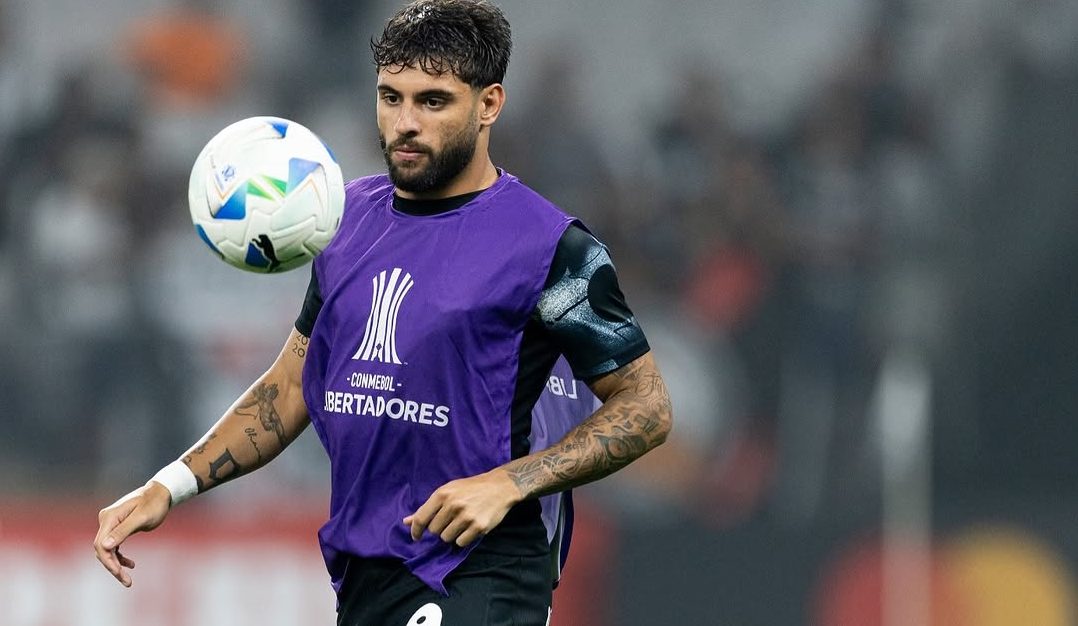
405	144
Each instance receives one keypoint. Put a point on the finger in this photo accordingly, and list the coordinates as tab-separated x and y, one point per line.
124	577
111	560
469	535
132	524
125	561
442	520
108	559
109	519
416	527
115	561
422	517
106	556
454	530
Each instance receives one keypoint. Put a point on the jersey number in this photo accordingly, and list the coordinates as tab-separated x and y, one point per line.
430	614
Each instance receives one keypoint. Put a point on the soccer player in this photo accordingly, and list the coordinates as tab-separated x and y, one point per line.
430	328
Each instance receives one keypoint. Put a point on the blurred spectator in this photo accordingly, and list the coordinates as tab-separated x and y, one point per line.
833	215
79	220
556	150
32	157
341	33
189	54
193	63
737	289
675	224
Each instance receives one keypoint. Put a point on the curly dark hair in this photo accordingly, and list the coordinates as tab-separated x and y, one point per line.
468	38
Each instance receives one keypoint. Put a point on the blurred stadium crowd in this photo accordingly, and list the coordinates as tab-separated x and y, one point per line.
795	195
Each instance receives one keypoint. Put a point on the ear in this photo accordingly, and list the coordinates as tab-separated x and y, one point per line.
491	100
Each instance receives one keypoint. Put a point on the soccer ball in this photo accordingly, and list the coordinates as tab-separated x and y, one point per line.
266	194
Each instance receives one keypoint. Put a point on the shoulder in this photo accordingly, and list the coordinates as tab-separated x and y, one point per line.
366	188
578	241
368	182
578	251
523	215
361	198
362	195
512	189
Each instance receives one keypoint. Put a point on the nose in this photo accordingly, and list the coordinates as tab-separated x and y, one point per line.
407	122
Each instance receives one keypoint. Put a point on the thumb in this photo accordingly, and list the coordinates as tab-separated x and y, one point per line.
121	532
132	520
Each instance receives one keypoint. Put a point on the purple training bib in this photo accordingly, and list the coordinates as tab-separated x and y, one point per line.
413	359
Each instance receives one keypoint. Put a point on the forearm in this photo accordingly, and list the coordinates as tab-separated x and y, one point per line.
633	419
258	425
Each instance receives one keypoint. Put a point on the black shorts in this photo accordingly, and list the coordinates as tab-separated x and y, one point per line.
488	589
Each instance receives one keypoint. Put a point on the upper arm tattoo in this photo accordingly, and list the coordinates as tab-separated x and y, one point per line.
299	347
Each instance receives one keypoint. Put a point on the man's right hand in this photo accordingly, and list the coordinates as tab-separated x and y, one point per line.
141	510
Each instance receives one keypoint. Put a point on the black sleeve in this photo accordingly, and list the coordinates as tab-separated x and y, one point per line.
312	305
583	310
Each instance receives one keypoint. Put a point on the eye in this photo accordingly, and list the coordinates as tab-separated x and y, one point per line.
390	98
435	102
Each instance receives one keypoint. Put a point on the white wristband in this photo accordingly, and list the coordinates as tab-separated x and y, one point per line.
179	480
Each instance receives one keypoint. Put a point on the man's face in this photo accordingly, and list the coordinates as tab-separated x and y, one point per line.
428	127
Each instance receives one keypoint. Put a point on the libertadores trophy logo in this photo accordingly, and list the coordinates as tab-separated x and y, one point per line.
380	337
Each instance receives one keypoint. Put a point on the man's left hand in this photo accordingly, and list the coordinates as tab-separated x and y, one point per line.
465	509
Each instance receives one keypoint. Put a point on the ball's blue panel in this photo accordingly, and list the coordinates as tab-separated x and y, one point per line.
281	127
330	151
299	169
235	208
255	258
202	235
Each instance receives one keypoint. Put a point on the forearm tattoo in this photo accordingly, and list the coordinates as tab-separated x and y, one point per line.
263	397
252	436
189	461
628	424
224	467
219	470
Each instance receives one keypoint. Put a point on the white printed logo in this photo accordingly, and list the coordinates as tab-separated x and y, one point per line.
558	386
430	614
380	337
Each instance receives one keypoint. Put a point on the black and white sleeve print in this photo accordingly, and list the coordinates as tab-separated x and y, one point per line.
584	311
312	306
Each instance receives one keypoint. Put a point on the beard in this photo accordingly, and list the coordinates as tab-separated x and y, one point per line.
441	167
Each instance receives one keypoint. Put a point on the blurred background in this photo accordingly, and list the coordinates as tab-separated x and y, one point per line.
848	227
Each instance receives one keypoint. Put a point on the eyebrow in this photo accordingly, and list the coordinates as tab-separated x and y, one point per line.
426	93
435	93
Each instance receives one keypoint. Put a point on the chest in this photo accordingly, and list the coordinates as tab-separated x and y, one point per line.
399	287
